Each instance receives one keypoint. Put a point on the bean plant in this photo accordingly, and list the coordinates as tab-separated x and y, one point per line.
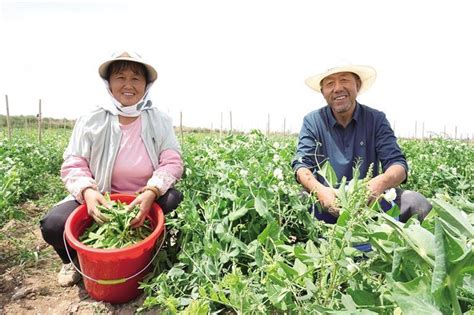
116	232
245	241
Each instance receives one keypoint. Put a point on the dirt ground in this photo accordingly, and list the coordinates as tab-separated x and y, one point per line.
31	288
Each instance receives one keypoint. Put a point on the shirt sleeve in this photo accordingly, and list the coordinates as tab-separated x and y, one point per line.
307	146
76	176
169	140
169	171
387	148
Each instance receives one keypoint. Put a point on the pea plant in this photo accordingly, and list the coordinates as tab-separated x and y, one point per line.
29	171
116	232
244	241
440	166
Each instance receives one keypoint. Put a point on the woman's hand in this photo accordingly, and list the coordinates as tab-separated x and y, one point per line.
93	198
145	200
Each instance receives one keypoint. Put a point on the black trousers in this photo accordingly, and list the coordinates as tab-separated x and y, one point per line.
52	225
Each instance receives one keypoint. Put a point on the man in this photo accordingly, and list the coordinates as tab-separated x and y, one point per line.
344	132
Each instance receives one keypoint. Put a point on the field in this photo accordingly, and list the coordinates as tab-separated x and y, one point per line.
243	240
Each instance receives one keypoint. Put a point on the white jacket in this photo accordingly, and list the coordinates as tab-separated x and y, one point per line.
96	137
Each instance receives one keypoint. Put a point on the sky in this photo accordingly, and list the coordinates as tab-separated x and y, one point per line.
246	57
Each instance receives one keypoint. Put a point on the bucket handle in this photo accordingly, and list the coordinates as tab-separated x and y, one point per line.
114	281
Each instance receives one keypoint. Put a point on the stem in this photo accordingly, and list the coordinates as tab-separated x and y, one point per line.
197	266
454	298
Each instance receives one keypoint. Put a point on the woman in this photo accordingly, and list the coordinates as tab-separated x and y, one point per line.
126	146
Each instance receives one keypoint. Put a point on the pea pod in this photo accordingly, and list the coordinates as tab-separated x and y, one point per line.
117	232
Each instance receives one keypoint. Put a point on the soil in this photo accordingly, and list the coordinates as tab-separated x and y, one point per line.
28	269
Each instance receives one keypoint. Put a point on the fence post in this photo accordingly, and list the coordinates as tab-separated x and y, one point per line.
39	123
230	118
222	119
181	125
268	125
284	126
8	119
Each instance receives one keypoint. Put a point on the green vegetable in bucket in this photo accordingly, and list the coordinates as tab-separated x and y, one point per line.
116	232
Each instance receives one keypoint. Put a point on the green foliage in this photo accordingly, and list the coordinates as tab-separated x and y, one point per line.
116	232
29	171
243	241
440	166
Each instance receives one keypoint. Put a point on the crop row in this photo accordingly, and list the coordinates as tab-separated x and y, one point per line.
243	240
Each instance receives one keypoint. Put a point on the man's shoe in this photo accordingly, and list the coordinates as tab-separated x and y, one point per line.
68	275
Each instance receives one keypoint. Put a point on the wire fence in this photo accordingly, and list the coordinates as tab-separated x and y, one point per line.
225	124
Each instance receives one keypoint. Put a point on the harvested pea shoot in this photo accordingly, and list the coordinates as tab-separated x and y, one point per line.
117	232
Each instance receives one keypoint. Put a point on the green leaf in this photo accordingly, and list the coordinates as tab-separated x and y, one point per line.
288	249
328	173
419	286
289	271
272	231
422	238
394	212
441	266
311	248
300	267
238	214
411	305
363	298
348	302
454	217
456	245
343	218
261	209
175	272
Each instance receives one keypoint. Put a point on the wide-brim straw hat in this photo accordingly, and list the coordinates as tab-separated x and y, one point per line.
366	74
128	56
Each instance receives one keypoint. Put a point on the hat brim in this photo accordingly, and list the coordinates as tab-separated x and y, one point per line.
152	73
366	74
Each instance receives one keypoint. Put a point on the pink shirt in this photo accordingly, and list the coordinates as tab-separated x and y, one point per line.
132	168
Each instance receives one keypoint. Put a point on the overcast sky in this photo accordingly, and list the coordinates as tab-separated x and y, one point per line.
250	57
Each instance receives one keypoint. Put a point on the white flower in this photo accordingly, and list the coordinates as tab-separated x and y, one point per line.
244	173
276	145
389	195
351	267
276	158
278	173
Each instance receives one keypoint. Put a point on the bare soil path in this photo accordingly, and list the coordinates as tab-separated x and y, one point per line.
31	287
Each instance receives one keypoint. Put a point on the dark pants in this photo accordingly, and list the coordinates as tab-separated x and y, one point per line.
52	225
410	203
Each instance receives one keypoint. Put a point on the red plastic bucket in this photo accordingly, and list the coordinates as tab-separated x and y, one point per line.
106	270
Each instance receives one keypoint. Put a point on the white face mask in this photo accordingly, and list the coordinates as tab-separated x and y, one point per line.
128	111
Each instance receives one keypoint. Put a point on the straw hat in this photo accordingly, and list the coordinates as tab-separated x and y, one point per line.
366	74
127	56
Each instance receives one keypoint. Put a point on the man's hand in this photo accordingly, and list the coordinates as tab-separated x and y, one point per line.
145	200
327	199
93	198
376	187
392	177
325	195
